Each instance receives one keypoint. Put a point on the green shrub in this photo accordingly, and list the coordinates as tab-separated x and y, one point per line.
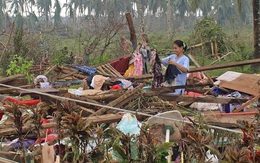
20	65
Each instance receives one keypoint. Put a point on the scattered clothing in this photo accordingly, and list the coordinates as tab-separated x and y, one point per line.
146	54
86	69
130	71
126	84
116	87
121	65
138	64
235	94
98	81
171	73
157	74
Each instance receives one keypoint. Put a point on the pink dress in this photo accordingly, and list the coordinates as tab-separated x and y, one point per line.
138	64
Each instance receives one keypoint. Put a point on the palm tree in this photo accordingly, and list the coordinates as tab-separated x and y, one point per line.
203	5
17	6
181	7
256	29
57	17
2	12
140	12
256	26
45	7
169	15
224	9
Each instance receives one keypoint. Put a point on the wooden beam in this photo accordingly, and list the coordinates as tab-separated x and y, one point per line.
198	65
10	78
49	70
246	104
126	97
226	65
7	90
207	99
130	22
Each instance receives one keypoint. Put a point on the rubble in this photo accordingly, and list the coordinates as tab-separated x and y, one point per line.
66	101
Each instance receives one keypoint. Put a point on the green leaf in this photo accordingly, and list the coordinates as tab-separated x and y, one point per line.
120	151
164	147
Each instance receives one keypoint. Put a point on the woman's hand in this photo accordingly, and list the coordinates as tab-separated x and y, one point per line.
172	62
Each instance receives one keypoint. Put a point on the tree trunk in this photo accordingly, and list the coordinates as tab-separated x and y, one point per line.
132	30
169	15
256	28
140	14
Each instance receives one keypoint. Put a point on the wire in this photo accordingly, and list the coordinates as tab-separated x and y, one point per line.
117	109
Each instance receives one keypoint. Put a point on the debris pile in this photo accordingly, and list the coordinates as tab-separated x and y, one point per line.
77	105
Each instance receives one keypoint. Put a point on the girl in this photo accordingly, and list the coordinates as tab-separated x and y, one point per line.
180	61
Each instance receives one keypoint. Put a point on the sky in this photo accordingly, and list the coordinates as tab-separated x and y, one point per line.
62	2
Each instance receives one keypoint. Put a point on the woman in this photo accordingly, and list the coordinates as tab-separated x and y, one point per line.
180	62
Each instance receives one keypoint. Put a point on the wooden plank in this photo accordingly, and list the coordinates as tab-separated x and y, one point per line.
120	100
86	99
41	90
147	76
246	104
206	99
10	78
228	121
198	65
247	83
86	109
114	70
69	74
230	114
109	70
101	70
50	70
226	65
7	90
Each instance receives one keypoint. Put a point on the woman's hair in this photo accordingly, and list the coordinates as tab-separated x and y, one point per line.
180	44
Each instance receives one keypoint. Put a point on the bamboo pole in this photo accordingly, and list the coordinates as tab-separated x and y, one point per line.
246	104
198	65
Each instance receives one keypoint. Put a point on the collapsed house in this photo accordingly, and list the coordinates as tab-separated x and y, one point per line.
32	114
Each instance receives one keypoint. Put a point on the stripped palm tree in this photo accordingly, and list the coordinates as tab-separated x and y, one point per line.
45	8
2	12
57	17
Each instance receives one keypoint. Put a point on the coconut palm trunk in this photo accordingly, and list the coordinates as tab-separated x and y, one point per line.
140	14
169	15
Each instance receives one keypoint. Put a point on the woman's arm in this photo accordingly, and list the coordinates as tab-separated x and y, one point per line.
183	68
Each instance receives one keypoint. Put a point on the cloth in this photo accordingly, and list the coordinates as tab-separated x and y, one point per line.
138	64
146	54
157	75
182	77
171	73
98	81
86	69
116	87
43	77
130	71
126	84
121	65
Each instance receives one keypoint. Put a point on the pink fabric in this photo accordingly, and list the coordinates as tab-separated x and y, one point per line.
138	64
